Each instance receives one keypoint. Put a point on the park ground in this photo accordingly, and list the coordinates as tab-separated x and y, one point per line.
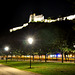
48	68
6	70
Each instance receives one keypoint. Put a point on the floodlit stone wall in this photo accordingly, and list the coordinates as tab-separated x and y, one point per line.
36	18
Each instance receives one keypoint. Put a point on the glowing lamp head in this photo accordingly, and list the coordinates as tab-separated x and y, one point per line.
30	40
6	48
74	46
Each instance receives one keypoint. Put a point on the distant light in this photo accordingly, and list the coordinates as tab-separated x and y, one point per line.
18	28
71	17
11	30
59	55
30	40
70	55
74	46
28	55
6	48
52	55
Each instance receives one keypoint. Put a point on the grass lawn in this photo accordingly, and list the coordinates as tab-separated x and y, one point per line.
43	68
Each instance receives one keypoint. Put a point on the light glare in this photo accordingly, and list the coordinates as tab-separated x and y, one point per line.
74	46
6	48
30	40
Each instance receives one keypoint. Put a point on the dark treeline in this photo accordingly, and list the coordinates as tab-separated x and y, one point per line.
48	38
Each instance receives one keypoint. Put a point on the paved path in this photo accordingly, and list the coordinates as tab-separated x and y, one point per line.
5	70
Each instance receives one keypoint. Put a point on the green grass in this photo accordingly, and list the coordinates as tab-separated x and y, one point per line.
48	68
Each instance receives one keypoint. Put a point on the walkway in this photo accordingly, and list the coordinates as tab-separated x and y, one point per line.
5	70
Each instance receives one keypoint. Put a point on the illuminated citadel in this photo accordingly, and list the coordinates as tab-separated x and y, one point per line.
40	18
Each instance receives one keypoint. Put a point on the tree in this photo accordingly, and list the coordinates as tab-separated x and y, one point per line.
46	37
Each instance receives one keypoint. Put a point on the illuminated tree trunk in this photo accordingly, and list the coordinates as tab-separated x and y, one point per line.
41	58
62	56
11	57
33	57
52	55
74	58
56	57
45	57
68	57
3	57
20	57
17	57
24	57
6	58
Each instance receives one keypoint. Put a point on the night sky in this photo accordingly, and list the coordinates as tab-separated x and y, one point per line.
16	12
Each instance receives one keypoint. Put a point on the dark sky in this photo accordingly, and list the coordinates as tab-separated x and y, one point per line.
16	12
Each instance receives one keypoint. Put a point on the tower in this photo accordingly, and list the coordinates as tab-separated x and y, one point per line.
31	18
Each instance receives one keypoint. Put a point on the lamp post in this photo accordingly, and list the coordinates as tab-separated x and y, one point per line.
6	49
74	54
30	41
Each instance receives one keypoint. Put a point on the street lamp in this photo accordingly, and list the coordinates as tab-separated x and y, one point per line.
6	49
30	41
74	46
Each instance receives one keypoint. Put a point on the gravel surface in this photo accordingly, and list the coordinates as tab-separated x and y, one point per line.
5	70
